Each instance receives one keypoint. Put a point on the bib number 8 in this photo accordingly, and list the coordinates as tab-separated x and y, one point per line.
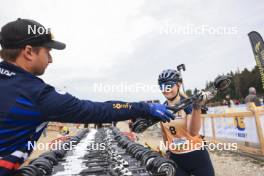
172	130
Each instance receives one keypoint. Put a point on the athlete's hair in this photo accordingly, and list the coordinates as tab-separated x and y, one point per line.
183	94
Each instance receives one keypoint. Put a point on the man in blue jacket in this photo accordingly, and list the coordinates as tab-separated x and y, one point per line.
27	103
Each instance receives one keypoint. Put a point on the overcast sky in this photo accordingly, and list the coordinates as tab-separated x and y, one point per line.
128	43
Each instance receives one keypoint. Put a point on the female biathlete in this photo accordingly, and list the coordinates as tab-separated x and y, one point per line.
182	134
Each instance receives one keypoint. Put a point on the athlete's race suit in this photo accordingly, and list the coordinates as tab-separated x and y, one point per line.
183	148
27	104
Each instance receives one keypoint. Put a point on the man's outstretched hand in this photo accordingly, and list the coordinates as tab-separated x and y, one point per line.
160	112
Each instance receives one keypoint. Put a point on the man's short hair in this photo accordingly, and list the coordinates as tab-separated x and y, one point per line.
10	54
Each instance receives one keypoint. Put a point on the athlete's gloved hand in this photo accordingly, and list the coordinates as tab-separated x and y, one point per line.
160	112
204	96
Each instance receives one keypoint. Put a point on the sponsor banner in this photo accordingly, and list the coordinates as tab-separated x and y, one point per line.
258	50
238	128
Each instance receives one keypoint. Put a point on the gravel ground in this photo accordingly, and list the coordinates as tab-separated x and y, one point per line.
232	164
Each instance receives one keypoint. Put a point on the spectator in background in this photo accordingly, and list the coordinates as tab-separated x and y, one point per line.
261	100
237	102
252	97
64	131
228	102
